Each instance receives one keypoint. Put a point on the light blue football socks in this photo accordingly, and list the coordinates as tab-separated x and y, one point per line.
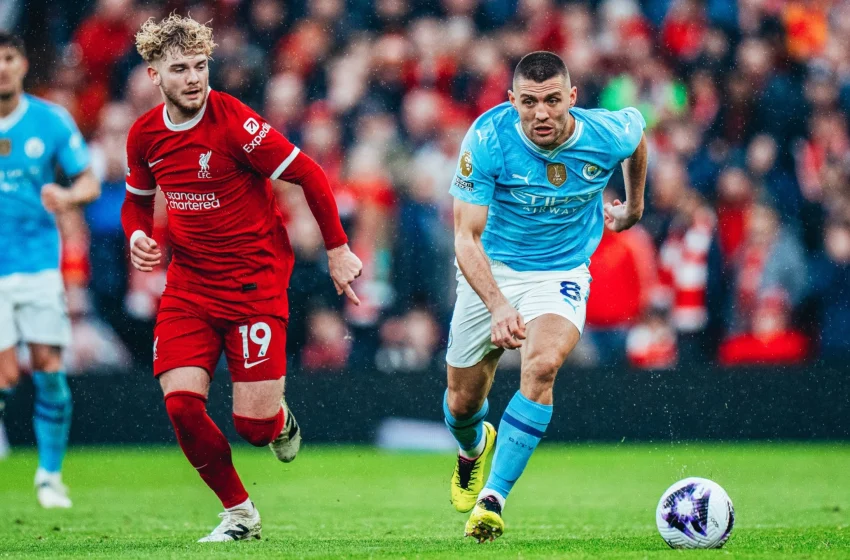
523	425
469	432
51	418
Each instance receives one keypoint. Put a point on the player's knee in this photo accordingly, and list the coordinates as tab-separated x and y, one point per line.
258	431
46	358
463	404
184	407
541	369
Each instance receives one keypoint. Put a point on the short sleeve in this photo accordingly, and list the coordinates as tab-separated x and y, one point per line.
256	144
475	176
71	150
140	179
628	125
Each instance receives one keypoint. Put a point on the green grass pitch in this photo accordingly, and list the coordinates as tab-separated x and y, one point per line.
579	501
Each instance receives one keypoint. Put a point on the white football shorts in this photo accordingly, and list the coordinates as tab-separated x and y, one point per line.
33	309
532	293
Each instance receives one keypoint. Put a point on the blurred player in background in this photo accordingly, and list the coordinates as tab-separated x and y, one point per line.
528	215
36	137
212	158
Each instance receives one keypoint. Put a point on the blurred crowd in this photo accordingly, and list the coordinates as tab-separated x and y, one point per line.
743	254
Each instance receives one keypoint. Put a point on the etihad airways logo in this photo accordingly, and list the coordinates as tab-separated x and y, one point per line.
558	205
192	202
258	139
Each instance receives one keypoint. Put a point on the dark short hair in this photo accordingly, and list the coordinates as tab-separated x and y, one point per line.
539	66
11	40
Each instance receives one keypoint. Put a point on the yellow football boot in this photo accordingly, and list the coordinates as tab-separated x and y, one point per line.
485	523
468	478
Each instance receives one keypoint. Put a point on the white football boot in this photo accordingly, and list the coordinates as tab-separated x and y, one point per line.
51	492
285	446
237	524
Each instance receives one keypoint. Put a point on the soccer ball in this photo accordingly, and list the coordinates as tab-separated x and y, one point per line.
695	513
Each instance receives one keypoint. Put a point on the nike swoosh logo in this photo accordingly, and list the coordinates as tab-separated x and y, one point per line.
249	365
152	163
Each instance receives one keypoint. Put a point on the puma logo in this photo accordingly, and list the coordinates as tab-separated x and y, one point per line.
481	137
526	178
628	124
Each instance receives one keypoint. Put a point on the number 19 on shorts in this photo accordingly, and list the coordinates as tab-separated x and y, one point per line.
260	334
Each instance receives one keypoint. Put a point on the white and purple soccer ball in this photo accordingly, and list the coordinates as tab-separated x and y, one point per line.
695	513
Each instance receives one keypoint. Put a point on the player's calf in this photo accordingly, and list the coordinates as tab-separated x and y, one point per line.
205	446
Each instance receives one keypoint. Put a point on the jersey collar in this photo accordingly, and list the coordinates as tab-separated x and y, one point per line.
10	120
188	124
571	141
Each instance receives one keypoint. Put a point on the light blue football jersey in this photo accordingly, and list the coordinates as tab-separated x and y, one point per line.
35	138
545	205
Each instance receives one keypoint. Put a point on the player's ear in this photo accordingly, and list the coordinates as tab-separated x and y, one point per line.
573	96
512	98
154	76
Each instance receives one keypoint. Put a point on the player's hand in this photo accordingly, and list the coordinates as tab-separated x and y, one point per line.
145	254
55	199
507	328
345	267
619	216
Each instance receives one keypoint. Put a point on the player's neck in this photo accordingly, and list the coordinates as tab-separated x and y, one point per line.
9	105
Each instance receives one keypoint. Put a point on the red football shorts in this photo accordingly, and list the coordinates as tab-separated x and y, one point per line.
186	334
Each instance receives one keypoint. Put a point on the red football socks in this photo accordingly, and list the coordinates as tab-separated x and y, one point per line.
259	431
205	446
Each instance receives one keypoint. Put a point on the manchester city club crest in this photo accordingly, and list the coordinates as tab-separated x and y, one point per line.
590	171
556	173
5	146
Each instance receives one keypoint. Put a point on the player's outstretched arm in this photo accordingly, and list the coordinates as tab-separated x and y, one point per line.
344	266
619	216
507	328
84	189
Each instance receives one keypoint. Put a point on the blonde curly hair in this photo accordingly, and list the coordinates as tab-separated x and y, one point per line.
174	34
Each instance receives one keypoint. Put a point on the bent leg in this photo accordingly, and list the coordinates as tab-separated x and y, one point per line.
204	445
258	414
550	339
465	403
256	357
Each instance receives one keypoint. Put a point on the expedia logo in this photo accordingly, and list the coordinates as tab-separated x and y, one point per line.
258	139
192	202
466	163
251	126
590	171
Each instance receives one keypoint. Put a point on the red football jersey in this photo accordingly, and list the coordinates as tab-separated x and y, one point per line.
224	226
